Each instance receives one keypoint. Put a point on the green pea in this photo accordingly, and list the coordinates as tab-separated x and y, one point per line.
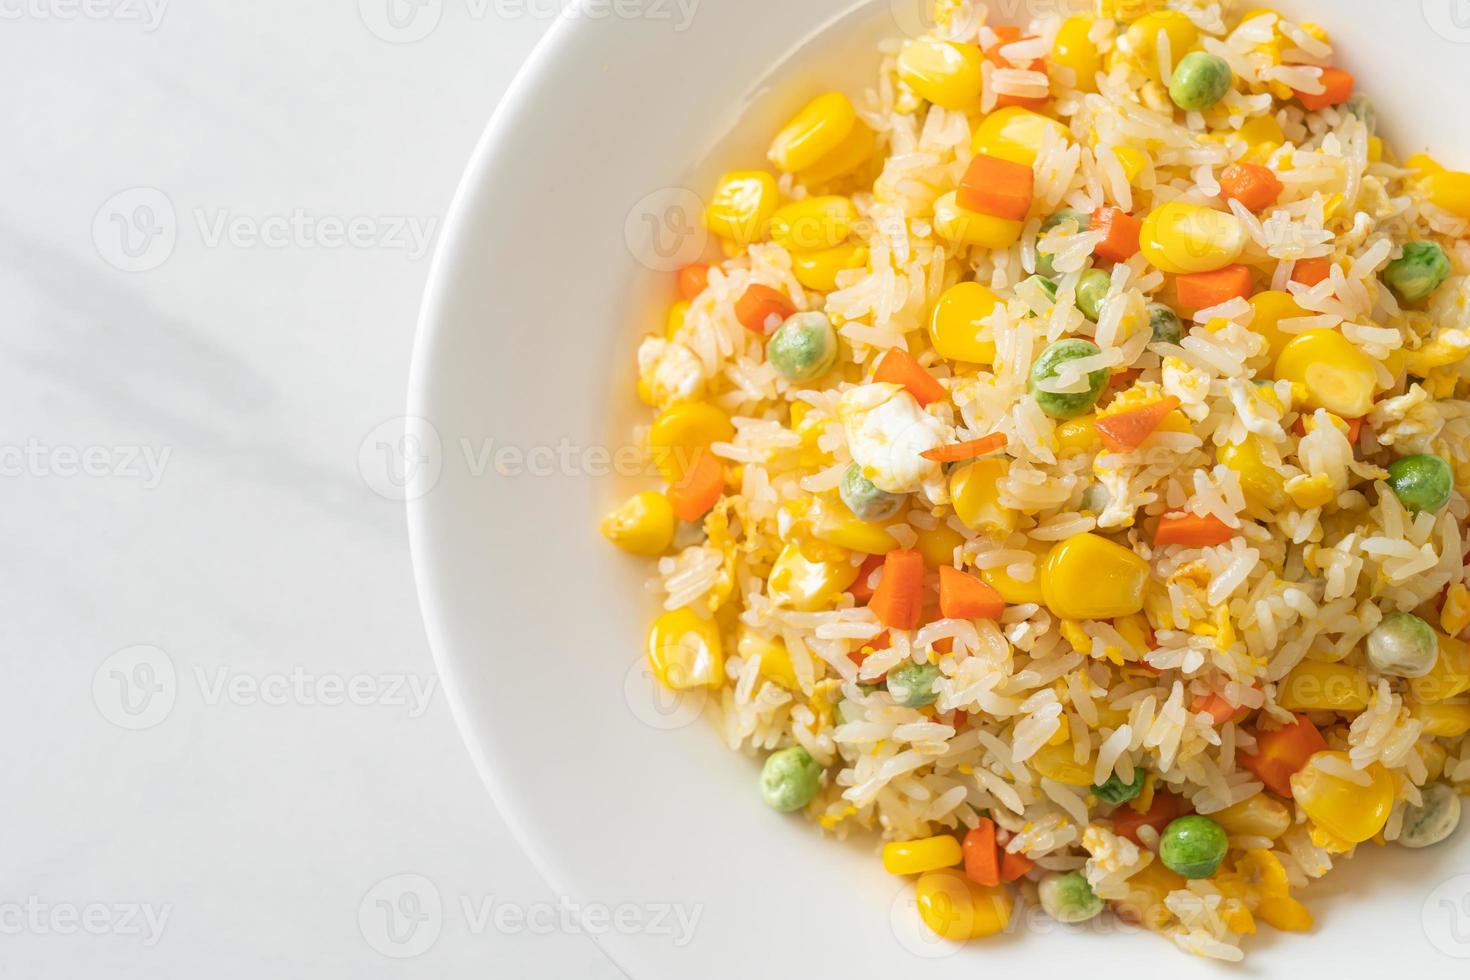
1193	846
1359	105
1044	263
1095	498
1165	324
804	347
1117	791
912	685
1432	820
1066	405
1200	80
789	779
864	499
1092	289
1068	897
1047	286
1403	645
1421	270
1421	482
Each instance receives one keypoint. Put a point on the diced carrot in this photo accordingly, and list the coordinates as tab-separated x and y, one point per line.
966	450
697	491
898	601
1119	380
960	717
1251	184
1126	431
761	309
861	590
1219	710
1282	753
1014	864
1355	427
963	596
693	279
1202	290
1339	88
1309	272
1120	234
997	187
1163	809
982	860
1192	531
1010	34
897	367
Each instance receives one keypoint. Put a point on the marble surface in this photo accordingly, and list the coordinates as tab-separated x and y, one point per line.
223	730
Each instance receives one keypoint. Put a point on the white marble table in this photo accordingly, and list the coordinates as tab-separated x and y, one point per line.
221	724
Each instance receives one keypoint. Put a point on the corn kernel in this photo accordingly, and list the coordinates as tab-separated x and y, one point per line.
835	524
1455	615
1451	191
1311	491
1450	676
818	270
1147	890
742	202
1013	590
957	326
1059	764
1262	483
1090	577
1342	808
975	494
806	585
1074	634
957	909
1337	376
1314	686
681	431
1141	40
1262	129
775	659
1184	238
1132	160
937	544
942	72
684	651
675	320
1075	49
1424	165
1257	816
1375	149
1284	913
1442	720
846	157
813	223
1015	134
962	227
915	857
1079	435
1271	307
819	128
644	525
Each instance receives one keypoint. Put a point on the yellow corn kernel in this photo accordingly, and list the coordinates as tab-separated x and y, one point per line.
1013	590
1284	913
1450	676
1455	615
1061	736
1311	491
1314	686
1434	756
1424	165
645	393
833	523
813	223
1058	763
1015	134
955	224
1134	630
1337	376
643	525
1343	808
1132	160
937	544
1451	191
1090	577
1262	483
914	857
846	157
957	326
775	659
1141	40
1262	129
1271	307
807	585
818	270
957	909
942	72
1257	816
1147	890
1074	634
683	430
1438	353
819	128
685	652
1442	720
974	491
1375	149
1075	49
742	202
1079	435
1184	238
675	321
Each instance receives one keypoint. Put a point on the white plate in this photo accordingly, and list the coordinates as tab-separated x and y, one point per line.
545	279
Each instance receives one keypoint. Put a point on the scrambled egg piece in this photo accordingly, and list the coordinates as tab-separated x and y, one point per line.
1409	421
1188	384
887	432
671	371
